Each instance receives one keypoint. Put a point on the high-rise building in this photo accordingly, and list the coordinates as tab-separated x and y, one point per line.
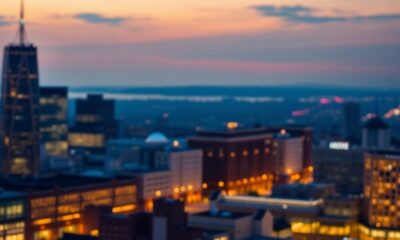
381	194
94	124
53	120
352	121
376	134
20	107
340	165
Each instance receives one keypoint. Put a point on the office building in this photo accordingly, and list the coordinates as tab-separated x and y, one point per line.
305	133
20	107
342	166
94	124
251	160
352	122
186	167
287	152
376	135
236	160
381	195
152	184
56	204
54	120
170	221
134	153
12	215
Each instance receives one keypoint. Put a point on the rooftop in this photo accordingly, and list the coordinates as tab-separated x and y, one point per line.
223	214
156	138
231	133
57	181
376	123
5	194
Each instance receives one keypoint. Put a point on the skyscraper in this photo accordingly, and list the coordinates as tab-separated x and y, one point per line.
53	120
376	134
94	124
381	195
19	107
352	122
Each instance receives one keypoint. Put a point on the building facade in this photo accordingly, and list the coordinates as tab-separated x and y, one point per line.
20	107
54	120
55	205
236	160
186	167
381	195
152	184
12	215
287	152
94	124
343	167
352	122
376	135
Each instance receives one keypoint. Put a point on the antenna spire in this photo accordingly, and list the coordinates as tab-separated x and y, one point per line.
22	24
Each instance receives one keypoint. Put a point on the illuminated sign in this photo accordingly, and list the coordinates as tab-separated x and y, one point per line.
339	145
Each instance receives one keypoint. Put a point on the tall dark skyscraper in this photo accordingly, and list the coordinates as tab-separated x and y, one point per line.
20	107
53	120
352	122
94	124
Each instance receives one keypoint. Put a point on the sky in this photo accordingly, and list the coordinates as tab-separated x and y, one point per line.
352	43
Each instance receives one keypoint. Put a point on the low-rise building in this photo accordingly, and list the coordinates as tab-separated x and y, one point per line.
152	184
170	221
12	215
239	225
186	167
55	204
314	212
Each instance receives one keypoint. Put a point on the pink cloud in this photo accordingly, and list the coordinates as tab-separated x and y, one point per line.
257	67
107	59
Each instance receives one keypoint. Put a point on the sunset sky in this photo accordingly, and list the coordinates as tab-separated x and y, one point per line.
211	42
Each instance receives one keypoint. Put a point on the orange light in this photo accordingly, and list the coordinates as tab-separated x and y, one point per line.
94	232
232	125
252	180
183	189
264	177
158	193
124	208
176	190
204	185
69	217
245	181
43	221
190	187
289	171
221	184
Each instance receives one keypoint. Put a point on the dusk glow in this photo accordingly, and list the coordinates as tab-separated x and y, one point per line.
212	42
200	120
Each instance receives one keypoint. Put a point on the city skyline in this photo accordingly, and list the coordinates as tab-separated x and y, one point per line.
212	43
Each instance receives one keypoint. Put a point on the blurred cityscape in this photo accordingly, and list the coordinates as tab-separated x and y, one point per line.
183	163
